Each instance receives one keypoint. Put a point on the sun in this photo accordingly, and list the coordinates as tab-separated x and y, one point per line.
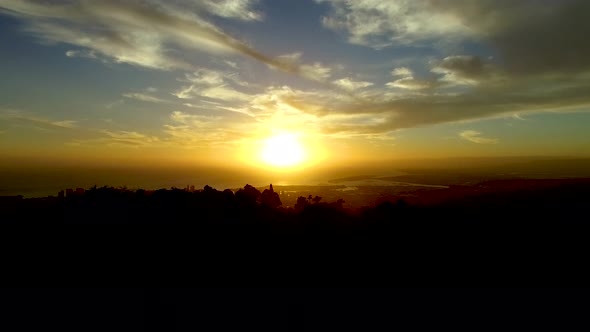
283	150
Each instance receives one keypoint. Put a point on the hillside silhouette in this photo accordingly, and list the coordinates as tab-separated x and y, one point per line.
504	232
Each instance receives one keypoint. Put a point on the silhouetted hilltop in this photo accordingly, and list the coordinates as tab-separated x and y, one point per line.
508	226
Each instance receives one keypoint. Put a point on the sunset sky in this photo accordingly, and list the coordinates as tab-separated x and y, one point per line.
285	83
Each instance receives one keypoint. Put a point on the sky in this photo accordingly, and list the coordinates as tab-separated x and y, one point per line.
281	84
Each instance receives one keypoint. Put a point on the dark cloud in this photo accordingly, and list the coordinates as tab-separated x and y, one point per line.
531	36
463	69
481	103
541	57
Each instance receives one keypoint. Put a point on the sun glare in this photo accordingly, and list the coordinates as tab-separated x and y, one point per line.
283	150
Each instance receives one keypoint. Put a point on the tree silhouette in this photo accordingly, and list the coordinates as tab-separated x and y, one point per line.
248	195
300	204
338	203
270	198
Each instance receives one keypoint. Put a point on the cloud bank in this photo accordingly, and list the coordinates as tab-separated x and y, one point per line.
536	57
529	56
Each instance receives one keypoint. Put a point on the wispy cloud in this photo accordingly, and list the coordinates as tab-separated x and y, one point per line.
127	138
135	32
210	77
119	138
411	83
81	54
232	64
113	104
405	80
292	63
402	71
193	119
518	117
196	130
14	115
475	137
223	92
213	84
148	33
380	24
144	97
241	9
184	92
64	123
351	85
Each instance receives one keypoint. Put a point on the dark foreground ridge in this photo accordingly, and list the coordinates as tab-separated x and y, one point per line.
495	233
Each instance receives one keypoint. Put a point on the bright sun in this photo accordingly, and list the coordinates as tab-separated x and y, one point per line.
283	150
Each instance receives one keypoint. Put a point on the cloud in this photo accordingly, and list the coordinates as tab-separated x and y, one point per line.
150	33
204	76
232	64
122	138
291	58
382	111
127	138
552	38
463	69
141	48
536	64
402	71
350	85
223	92
184	129
539	63
195	130
180	117
185	92
322	112
452	70
475	137
15	115
212	84
241	9
315	72
410	83
64	123
113	104
81	54
518	117
407	80
287	100
193	119
360	124
144	97
292	63
379	24
142	33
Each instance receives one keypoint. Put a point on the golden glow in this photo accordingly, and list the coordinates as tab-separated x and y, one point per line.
283	150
